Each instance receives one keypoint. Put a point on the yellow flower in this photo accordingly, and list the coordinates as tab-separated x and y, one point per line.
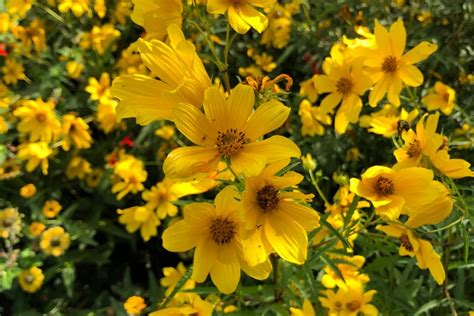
28	190
191	305
350	272
100	8
51	208
183	78
32	36
333	301
38	120
93	179
75	130
388	66
19	7
100	38
12	72
241	14
277	216
309	90
277	34
36	228
134	305
138	217
31	279
54	241
171	276
357	302
129	175
99	90
10	222
74	69
411	245
77	7
78	167
389	121
156	15
122	11
3	125
36	154
307	309
308	162
216	233
441	98
345	82
313	119
4	22
106	115
166	132
130	62
391	190
229	129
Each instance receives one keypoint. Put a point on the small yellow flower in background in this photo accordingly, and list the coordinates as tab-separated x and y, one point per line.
100	8
36	154
10	222
75	131
36	228
166	132
4	22
183	78
122	11
411	245
38	120
93	179
278	217
19	7
74	69
366	40
171	276
156	15
189	305
216	233
54	241
138	217
31	279
12	72
391	190
3	125
241	14
77	7
100	38
51	208
307	309
78	167
309	90
278	32
313	119
352	301
106	115
28	190
99	90
350	272
130	63
134	305
441	98
308	162
388	66
129	175
389	121
229	129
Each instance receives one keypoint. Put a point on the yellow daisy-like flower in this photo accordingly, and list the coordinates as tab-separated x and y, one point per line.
106	115
410	245
350	272
389	121
74	69
307	309
388	66
442	97
75	131
357	302
345	83
12	72
31	279
309	90
51	208
183	78
38	120
36	228
54	241
36	154
99	90
28	190
156	15
93	179
190	305
171	276
277	216
78	167
313	119
10	222
241	13
77	7
229	129
390	191
134	305
138	217
129	175
216	233
19	7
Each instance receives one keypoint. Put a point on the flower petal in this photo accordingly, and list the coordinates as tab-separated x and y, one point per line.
398	37
180	237
205	256
410	75
194	125
268	117
186	161
256	19
324	84
226	276
330	102
418	53
236	21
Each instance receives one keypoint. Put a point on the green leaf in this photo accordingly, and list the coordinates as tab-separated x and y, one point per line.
336	233
68	274
332	265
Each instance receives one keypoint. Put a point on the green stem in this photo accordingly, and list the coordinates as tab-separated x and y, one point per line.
226	58
186	276
316	185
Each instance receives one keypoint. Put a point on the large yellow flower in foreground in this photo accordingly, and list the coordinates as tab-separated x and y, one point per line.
390	191
388	66
183	78
242	16
229	129
278	215
410	245
156	15
216	233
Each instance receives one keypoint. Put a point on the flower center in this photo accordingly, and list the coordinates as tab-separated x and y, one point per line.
353	306
405	241
55	242
230	142
29	278
344	85
222	230
8	221
267	198
384	186
414	149
41	117
238	2
389	64
446	97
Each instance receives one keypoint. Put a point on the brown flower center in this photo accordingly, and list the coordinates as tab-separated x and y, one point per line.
389	64
40	117
222	230
384	186
344	85
29	278
8	221
353	306
267	198
405	241
55	242
446	97
414	149
230	142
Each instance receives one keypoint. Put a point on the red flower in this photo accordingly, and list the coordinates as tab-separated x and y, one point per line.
3	50
127	141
